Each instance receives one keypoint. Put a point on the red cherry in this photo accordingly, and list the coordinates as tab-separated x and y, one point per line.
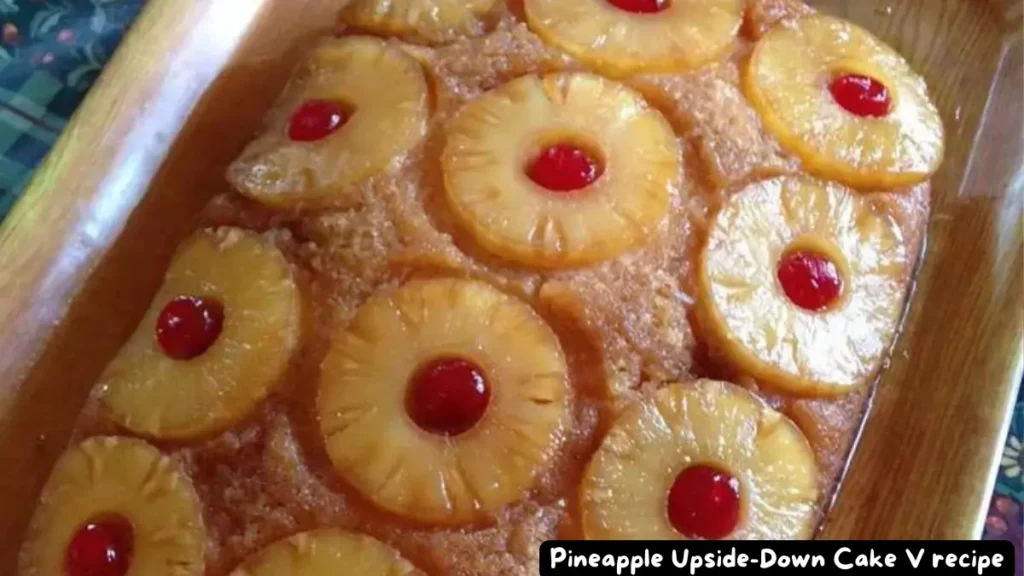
861	95
316	120
101	548
810	280
640	6
704	503
188	326
563	168
448	396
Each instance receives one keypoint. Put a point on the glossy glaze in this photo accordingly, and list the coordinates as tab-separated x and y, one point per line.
83	252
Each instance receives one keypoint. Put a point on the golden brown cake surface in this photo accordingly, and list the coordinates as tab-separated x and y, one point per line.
627	325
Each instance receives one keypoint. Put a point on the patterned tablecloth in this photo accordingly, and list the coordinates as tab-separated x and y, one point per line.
52	50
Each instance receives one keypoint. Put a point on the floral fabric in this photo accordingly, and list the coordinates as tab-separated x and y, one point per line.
51	51
1005	517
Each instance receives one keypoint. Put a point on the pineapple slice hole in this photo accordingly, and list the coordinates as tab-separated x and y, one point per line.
319	118
847	68
564	163
189	325
642	6
448	395
706	501
104	544
813	273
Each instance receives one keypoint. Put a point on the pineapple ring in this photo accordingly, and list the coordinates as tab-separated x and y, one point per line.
124	477
324	552
787	82
748	314
386	89
625	486
376	446
495	137
685	35
151	394
429	21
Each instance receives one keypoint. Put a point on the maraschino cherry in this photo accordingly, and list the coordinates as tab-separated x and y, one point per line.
102	547
704	503
448	396
564	168
316	119
640	6
810	280
188	326
861	95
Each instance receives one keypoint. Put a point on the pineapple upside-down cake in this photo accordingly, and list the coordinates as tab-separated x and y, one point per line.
497	273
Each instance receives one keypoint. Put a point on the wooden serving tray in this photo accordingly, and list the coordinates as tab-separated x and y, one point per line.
84	251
